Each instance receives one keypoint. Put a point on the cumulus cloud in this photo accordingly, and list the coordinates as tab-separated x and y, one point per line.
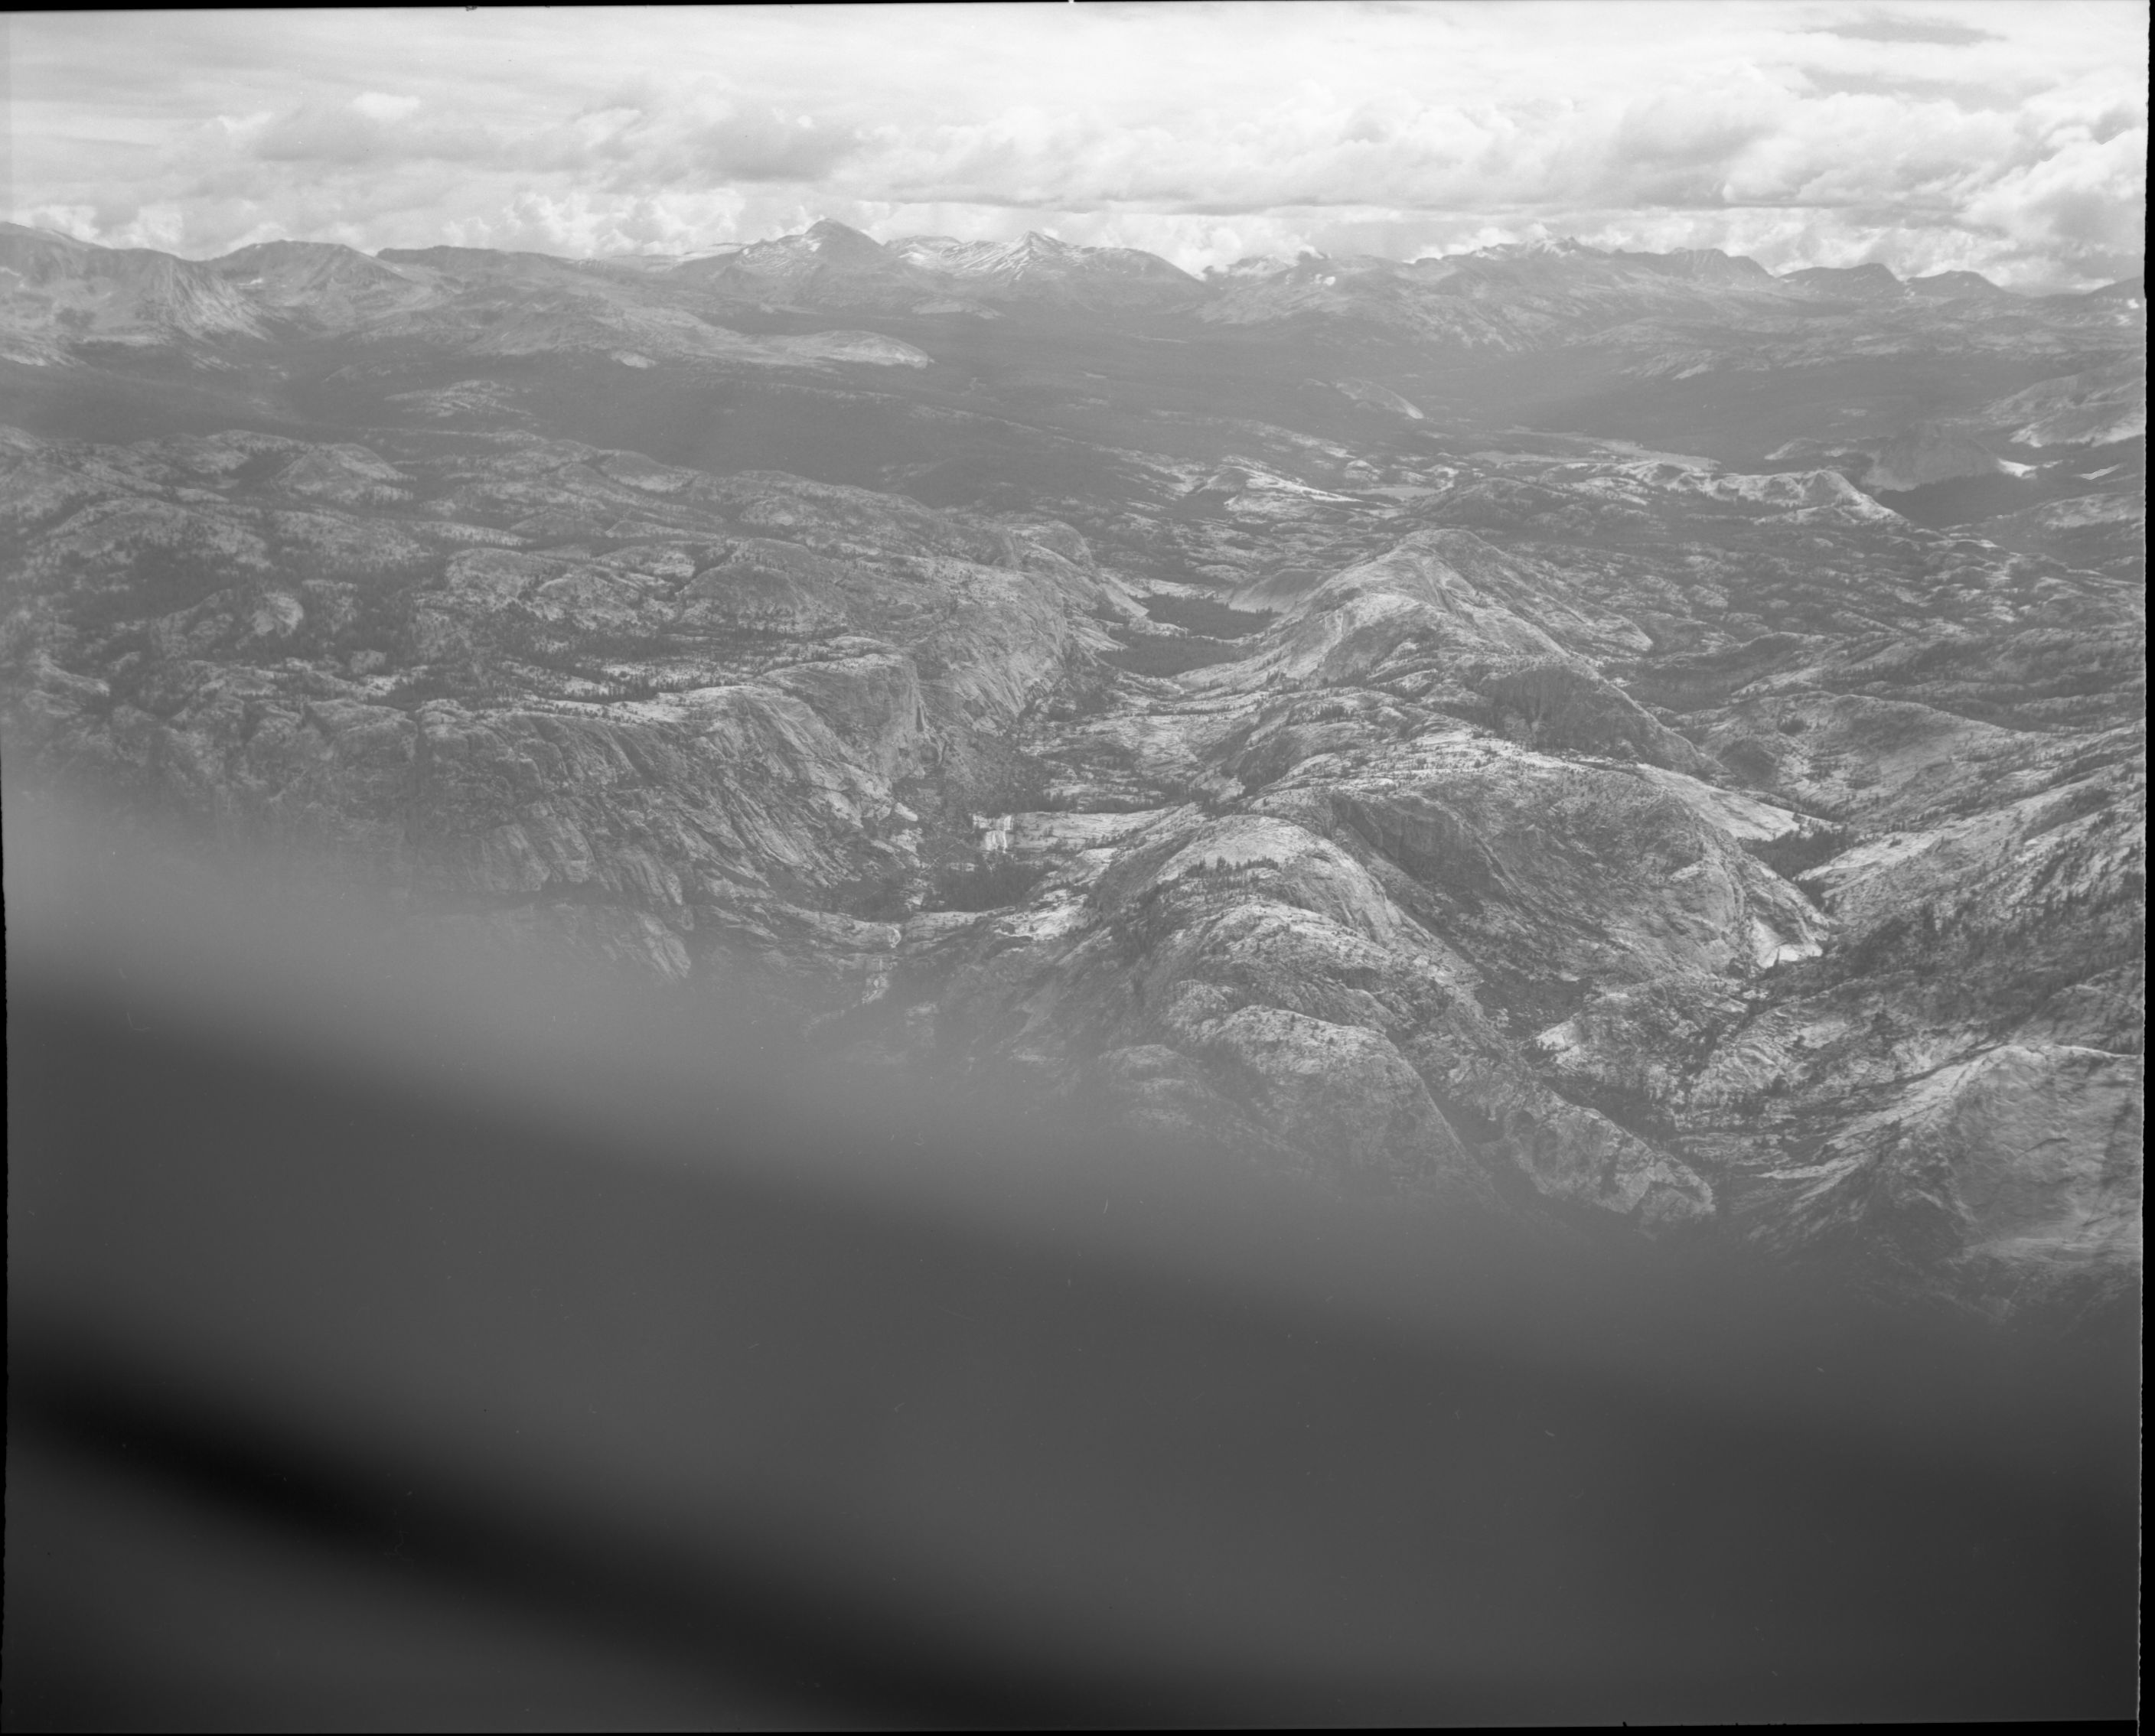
1998	136
371	127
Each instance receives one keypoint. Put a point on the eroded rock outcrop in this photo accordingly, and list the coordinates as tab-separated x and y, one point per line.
1608	840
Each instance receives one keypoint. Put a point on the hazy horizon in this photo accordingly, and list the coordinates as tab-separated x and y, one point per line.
2001	137
734	246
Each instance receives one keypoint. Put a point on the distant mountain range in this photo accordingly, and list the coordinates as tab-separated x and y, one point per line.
62	292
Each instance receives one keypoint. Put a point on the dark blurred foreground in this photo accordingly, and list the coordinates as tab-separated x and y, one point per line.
405	1338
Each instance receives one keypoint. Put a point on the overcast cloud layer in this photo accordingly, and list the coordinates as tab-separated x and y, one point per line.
2005	138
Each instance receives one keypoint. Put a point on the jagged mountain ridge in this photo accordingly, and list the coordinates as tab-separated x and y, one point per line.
1560	333
832	264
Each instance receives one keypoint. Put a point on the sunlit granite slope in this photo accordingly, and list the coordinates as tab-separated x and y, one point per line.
1632	840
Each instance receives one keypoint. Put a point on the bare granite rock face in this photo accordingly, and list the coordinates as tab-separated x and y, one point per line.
1536	822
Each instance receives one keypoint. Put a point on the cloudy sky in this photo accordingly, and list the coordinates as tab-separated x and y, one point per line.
2006	137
